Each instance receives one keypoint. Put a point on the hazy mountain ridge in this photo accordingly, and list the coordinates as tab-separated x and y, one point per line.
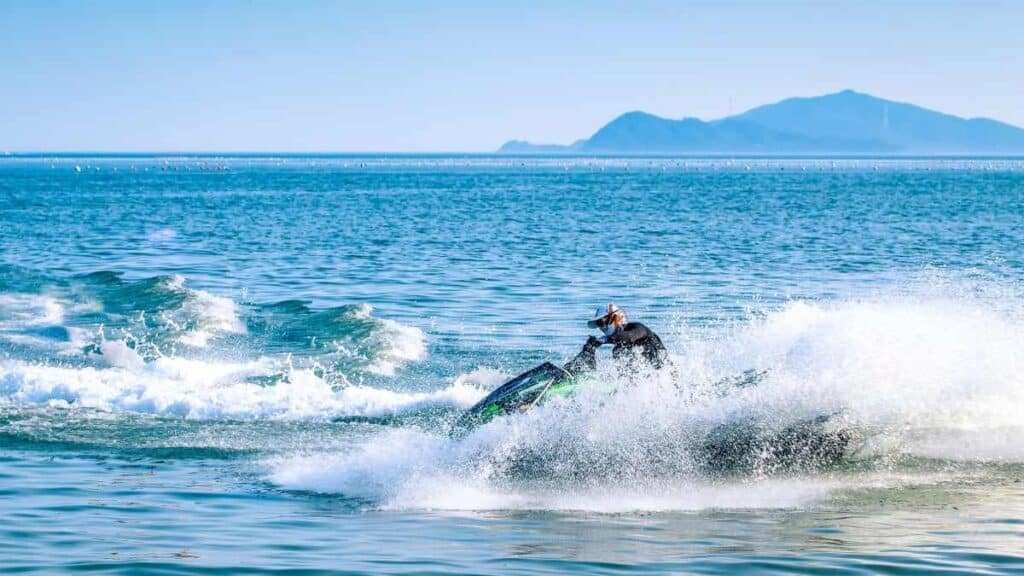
845	122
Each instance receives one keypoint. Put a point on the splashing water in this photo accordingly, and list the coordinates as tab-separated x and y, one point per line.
906	377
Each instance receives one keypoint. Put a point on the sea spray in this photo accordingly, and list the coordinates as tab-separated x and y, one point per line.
900	377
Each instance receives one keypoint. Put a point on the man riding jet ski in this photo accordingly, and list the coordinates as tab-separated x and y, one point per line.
631	341
730	447
633	344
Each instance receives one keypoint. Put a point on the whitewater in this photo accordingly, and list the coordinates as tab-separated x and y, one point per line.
281	370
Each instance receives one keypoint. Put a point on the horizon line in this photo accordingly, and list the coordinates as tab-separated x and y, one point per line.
495	153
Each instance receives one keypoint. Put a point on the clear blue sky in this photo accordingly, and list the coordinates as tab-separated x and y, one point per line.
466	76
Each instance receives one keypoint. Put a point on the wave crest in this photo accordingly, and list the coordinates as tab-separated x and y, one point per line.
215	391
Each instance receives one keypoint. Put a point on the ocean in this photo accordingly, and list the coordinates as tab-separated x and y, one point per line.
252	364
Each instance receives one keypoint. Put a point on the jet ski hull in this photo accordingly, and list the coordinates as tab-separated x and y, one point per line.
521	393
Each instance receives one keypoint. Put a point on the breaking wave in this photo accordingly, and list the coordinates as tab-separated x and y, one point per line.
214	391
158	346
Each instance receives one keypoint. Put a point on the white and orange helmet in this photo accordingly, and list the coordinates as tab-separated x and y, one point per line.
608	318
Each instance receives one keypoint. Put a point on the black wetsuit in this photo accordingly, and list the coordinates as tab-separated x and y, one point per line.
634	340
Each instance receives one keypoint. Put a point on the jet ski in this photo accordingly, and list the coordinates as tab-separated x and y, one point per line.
546	381
529	389
736	447
749	446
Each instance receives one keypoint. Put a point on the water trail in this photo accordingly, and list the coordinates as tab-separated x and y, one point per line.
901	377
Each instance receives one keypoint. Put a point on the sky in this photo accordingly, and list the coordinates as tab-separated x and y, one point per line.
388	76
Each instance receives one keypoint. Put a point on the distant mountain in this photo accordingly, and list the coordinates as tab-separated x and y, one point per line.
846	122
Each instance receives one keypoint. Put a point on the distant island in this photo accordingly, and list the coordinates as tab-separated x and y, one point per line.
846	122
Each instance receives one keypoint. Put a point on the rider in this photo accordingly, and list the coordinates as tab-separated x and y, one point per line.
629	340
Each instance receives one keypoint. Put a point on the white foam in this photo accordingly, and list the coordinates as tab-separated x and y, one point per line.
212	315
395	344
20	314
19	311
443	493
212	390
118	353
413	470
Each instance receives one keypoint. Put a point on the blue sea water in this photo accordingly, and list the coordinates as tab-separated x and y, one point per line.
251	364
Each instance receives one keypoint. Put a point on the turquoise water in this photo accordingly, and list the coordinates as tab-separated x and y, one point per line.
251	364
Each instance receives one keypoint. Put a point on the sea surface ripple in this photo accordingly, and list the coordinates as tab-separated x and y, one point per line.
227	364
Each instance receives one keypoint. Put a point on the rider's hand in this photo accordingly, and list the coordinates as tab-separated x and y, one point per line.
592	343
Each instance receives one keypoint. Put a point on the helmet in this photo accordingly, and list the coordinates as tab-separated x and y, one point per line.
607	315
